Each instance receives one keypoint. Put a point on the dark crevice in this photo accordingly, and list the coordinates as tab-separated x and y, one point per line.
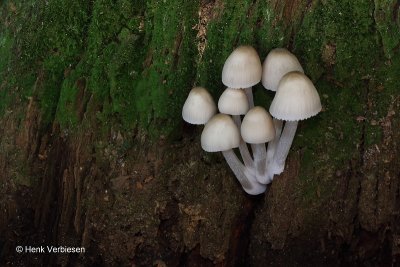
88	23
241	232
194	258
176	50
395	15
291	41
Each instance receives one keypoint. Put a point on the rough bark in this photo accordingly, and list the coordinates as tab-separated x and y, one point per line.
93	151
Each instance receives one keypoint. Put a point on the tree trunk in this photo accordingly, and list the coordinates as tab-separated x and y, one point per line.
94	153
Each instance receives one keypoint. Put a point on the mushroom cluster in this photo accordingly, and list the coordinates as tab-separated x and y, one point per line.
296	99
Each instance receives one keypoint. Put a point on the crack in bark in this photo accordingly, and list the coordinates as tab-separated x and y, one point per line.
238	251
395	14
176	50
248	14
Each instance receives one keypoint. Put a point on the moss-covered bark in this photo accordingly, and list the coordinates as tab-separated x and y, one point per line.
93	149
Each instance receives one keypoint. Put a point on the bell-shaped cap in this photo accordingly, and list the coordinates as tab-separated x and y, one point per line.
220	134
233	102
199	106
296	98
257	126
278	62
242	68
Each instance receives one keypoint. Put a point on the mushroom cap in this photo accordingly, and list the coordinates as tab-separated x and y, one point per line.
296	98
220	134
242	68
278	62
233	102
199	106
257	126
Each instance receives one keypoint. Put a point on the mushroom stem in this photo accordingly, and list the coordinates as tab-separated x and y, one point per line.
260	160
249	94
283	147
272	146
243	174
244	150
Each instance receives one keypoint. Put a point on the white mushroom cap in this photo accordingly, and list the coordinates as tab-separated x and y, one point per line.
220	134
278	62
296	98
199	106
242	68
233	102
257	126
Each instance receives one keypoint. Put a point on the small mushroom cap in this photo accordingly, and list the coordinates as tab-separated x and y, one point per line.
199	106
242	68
296	98
220	134
257	126
278	62
233	102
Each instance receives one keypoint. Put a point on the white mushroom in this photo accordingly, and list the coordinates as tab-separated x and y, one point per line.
257	129
221	134
278	62
234	102
296	99
242	69
199	106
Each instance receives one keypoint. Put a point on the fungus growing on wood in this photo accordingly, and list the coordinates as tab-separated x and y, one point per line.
257	129
278	62
296	99
234	102
242	69
220	134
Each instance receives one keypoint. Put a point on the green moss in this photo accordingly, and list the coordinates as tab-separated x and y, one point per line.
49	91
383	94
340	69
170	58
268	37
356	84
49	37
230	29
6	42
136	58
68	104
345	25
136	64
139	59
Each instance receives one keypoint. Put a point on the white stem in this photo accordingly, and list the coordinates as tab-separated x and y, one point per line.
249	94
272	144
243	174
260	160
244	150
272	148
283	147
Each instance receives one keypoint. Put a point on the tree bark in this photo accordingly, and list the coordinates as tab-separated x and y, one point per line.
94	153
